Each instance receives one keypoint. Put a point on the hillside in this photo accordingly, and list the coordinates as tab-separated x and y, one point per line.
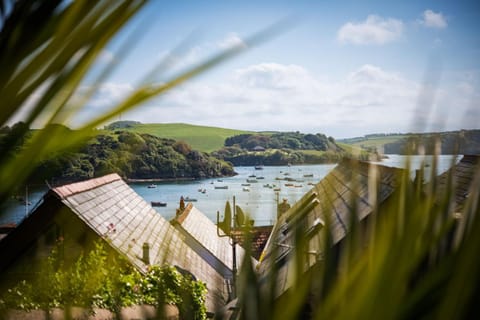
454	142
131	155
237	146
202	138
373	142
462	142
282	148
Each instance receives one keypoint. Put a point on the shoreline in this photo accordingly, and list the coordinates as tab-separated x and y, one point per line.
131	180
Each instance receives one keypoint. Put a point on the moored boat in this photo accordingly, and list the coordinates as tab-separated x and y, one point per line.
158	204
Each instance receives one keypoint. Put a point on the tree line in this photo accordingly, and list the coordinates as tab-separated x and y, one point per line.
454	142
131	155
283	140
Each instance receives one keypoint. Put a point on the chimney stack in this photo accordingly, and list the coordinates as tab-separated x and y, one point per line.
146	253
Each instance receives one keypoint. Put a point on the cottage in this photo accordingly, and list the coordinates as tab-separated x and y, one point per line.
210	242
354	187
330	201
258	149
103	208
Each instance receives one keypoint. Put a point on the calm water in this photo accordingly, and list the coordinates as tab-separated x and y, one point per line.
259	201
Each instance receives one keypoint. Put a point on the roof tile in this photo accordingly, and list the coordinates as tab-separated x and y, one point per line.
114	211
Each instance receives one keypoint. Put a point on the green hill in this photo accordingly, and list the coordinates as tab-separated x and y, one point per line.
374	142
132	155
452	142
206	139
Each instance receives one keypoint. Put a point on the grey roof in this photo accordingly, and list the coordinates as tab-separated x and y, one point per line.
202	229
329	201
116	213
462	176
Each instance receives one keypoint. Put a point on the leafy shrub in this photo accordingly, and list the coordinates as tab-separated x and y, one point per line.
96	279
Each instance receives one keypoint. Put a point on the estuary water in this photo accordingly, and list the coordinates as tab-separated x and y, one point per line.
258	196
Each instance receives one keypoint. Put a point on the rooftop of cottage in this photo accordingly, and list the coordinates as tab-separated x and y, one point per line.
462	175
331	200
111	209
217	244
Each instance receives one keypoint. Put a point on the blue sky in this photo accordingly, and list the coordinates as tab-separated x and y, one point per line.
347	68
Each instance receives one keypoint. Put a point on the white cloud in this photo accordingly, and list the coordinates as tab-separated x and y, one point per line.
432	19
230	41
272	76
272	96
181	60
106	96
374	30
106	56
110	93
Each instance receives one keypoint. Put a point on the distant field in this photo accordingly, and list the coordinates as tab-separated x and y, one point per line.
352	148
201	138
312	152
377	142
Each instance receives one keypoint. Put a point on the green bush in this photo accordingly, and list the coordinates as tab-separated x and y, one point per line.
98	280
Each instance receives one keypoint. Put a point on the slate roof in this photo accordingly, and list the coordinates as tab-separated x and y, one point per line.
109	207
199	227
258	239
462	174
329	200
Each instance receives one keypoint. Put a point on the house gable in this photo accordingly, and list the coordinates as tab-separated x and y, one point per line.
109	209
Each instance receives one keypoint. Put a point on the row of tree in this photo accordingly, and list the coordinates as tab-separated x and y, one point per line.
132	155
283	140
280	149
454	142
143	156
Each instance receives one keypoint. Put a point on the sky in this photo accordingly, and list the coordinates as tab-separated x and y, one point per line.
344	68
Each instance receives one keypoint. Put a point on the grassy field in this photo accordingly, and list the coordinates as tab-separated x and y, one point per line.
312	152
201	138
352	148
376	142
